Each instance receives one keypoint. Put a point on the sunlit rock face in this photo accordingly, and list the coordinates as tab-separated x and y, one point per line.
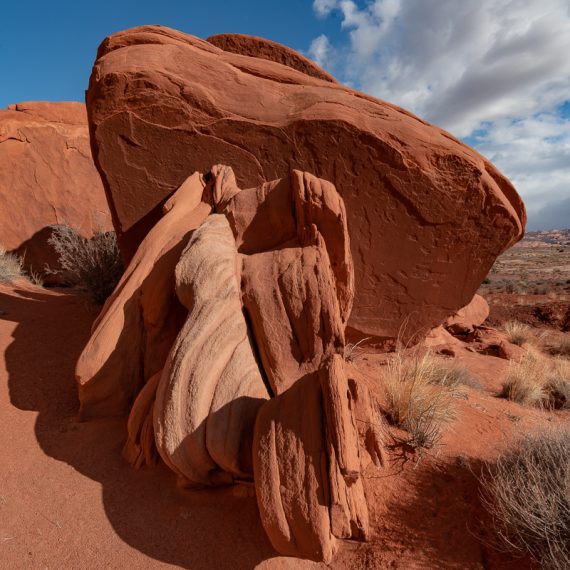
427	215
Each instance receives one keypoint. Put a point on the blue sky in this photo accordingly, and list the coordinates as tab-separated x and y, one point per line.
47	47
493	72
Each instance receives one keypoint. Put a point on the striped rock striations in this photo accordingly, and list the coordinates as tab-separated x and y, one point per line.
224	341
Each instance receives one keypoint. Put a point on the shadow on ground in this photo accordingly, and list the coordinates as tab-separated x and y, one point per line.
192	529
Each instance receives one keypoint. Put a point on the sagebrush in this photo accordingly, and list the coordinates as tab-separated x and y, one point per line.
527	493
93	265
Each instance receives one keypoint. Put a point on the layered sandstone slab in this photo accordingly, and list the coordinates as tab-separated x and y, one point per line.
427	214
307	466
262	48
211	387
224	342
47	176
134	332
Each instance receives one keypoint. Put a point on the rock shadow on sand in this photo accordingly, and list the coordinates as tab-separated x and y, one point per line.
192	529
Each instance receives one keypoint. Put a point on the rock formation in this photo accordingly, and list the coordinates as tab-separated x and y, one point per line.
223	342
47	177
474	314
427	215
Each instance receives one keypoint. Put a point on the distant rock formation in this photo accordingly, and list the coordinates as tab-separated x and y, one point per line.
47	177
427	215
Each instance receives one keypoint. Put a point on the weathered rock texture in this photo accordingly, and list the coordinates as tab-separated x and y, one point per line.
47	177
211	387
262	48
223	342
139	322
427	215
307	466
474	314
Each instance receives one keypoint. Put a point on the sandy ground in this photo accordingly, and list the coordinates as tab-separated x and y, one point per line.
69	500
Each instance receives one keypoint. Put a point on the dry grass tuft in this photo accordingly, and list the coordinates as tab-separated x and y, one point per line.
353	351
525	380
560	346
12	268
527	493
420	391
536	380
520	333
558	385
93	264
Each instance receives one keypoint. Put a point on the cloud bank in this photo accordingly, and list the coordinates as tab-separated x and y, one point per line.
493	72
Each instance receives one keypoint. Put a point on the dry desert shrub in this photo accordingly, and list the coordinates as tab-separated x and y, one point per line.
12	267
420	390
354	351
520	333
560	346
536	380
527	493
93	265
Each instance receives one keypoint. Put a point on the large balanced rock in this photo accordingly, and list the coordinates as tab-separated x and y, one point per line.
47	177
427	214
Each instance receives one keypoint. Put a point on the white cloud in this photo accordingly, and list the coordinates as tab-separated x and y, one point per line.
324	7
319	50
501	65
536	153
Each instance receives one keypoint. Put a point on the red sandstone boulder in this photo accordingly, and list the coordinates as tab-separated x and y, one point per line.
253	46
47	177
467	318
427	215
307	466
252	385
